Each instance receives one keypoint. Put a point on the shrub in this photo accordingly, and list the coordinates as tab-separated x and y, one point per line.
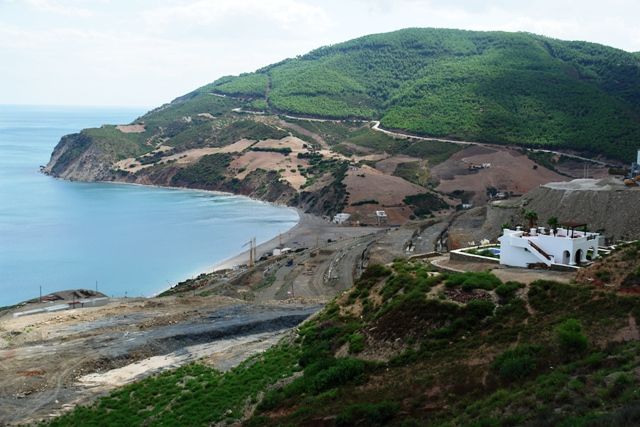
425	203
281	150
479	309
334	373
469	281
508	290
356	343
372	273
517	363
366	202
570	336
370	414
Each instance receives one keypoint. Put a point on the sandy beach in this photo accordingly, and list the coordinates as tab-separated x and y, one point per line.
311	231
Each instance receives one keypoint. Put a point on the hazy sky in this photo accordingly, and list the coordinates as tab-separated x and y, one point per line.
147	52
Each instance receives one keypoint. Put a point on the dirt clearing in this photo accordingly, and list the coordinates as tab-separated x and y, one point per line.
131	128
475	169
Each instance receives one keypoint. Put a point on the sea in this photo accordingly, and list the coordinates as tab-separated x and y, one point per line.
124	240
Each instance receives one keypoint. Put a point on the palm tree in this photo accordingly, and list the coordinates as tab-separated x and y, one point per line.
532	216
553	223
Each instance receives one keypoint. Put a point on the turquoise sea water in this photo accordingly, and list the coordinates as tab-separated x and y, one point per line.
139	240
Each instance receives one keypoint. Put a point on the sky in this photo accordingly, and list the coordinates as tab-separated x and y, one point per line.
146	52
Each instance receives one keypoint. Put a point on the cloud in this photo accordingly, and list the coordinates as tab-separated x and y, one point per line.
287	15
58	7
147	52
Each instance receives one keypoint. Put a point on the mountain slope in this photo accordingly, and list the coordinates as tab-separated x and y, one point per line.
515	88
410	347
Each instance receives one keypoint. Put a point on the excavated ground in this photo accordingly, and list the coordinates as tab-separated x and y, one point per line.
51	362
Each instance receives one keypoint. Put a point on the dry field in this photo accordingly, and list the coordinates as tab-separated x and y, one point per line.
509	171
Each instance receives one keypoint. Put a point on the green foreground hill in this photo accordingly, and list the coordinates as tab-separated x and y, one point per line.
513	88
410	347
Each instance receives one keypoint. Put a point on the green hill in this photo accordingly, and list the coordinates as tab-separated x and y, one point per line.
410	347
513	88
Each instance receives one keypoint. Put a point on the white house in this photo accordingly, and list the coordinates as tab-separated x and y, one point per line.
566	246
341	218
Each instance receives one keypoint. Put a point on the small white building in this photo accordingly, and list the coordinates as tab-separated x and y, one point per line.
341	218
281	251
381	216
567	246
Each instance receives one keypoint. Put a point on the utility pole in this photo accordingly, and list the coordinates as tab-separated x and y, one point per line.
255	251
40	300
96	286
252	251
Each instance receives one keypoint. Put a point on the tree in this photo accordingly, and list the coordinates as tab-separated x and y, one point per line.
532	217
553	223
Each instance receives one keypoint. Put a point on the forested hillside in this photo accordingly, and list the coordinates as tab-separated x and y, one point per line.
513	88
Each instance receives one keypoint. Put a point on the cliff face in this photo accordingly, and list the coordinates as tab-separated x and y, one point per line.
606	206
80	157
77	157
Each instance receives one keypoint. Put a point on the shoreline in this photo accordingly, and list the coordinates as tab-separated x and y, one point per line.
304	221
304	225
295	237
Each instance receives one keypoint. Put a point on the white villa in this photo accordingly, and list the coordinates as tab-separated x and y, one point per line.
566	246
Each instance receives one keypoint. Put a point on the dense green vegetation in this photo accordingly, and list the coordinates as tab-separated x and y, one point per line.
247	84
190	105
407	347
209	171
332	198
425	204
514	88
189	396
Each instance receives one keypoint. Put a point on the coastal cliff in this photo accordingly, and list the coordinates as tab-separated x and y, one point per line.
77	158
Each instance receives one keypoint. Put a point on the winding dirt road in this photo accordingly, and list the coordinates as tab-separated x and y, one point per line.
396	134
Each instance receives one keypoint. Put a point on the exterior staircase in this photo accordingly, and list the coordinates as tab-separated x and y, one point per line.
540	254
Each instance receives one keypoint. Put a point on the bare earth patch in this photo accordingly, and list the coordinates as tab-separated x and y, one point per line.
184	157
509	170
131	128
368	184
390	164
195	154
287	165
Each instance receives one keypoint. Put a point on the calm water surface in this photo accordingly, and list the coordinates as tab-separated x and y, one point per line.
139	240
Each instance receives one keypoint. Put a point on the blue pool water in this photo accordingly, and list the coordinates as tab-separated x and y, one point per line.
63	235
